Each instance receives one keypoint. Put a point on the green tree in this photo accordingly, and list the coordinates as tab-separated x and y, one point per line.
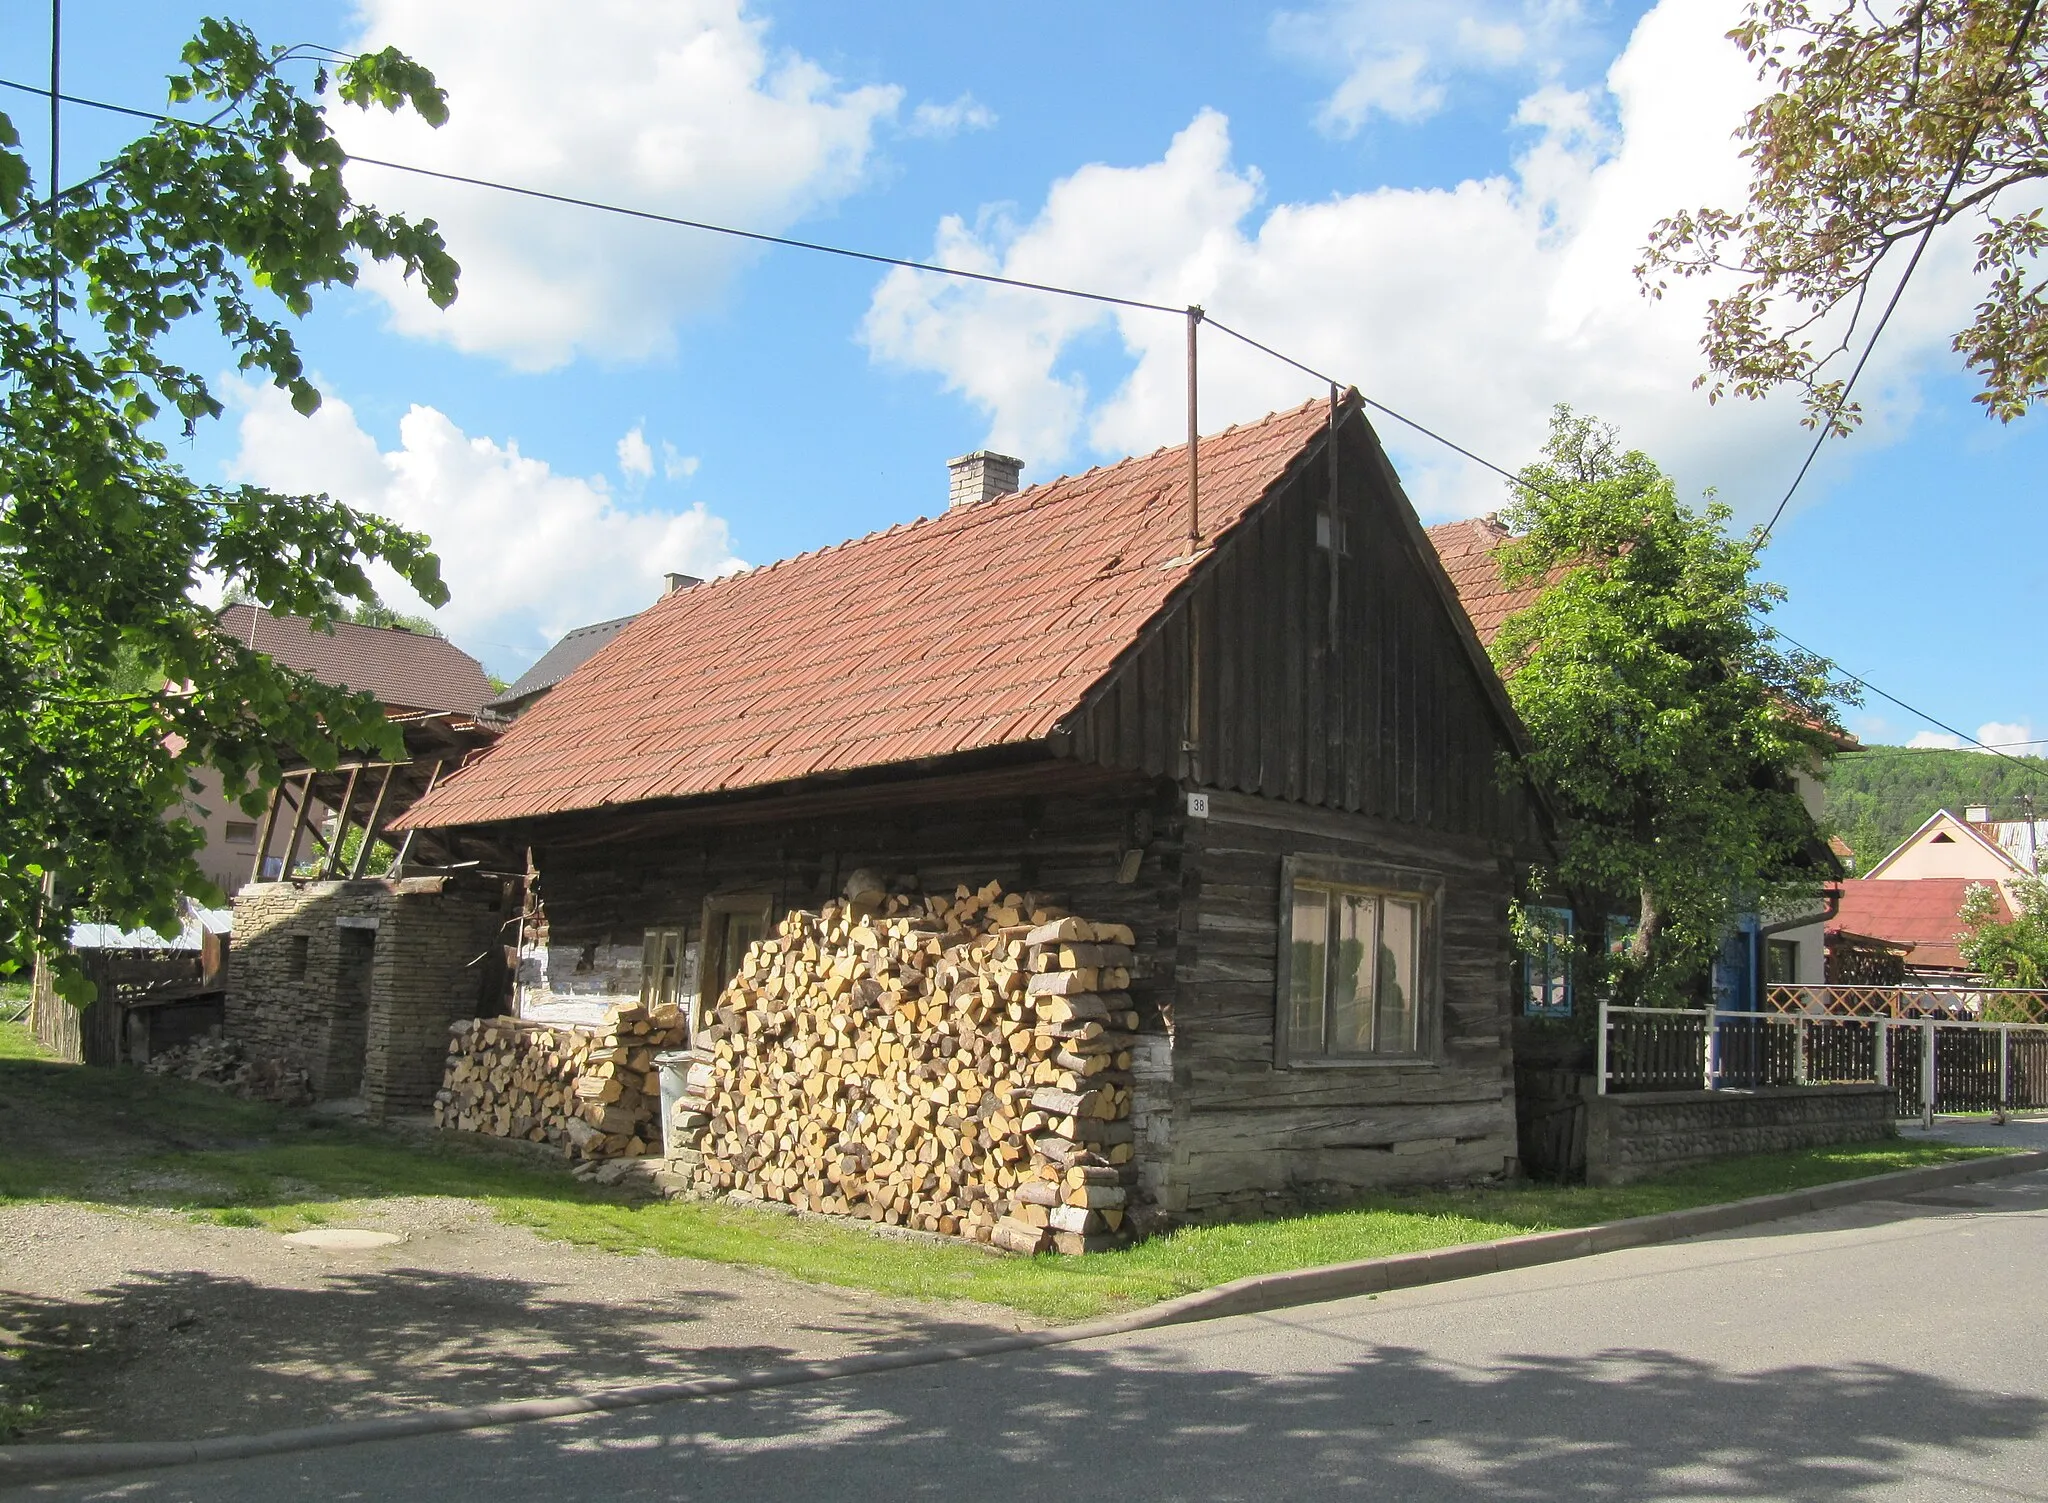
1667	724
2007	952
1885	123
104	539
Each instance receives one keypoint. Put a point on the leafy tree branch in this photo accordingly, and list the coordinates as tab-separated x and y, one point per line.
1884	125
116	689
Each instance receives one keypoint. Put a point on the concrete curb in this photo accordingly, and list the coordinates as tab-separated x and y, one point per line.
20	1465
1275	1291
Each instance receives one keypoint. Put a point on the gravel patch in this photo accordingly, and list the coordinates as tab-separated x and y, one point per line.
154	1326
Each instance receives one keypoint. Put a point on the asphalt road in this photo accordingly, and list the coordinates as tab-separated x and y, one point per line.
1895	1350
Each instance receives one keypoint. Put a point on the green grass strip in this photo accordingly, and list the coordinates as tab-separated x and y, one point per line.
120	1137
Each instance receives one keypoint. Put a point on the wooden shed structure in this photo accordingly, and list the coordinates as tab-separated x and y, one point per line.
1276	755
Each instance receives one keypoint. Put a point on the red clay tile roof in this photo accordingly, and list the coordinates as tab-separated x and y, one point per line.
1920	912
1466	549
405	670
981	627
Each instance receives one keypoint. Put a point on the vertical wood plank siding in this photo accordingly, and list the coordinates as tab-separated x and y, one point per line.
1377	744
1389	719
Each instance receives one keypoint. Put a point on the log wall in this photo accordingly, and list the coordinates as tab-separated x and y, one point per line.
1245	1133
604	882
1220	1129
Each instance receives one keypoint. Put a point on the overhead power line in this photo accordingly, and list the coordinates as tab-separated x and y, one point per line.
1980	746
1054	289
1914	710
822	248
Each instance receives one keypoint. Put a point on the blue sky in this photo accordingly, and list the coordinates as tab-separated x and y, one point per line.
1440	203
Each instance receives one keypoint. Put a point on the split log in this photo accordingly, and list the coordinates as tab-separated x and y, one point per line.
919	1061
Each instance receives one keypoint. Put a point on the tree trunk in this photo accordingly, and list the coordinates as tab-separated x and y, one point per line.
1647	925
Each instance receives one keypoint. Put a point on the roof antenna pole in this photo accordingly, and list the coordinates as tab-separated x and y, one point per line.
56	121
1336	521
1194	440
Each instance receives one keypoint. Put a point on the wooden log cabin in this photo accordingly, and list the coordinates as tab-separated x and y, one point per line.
1275	753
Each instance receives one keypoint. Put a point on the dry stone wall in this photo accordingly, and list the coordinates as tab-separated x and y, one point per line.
355	983
960	1065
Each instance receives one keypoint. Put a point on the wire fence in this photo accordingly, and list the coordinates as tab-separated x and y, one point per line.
1932	1062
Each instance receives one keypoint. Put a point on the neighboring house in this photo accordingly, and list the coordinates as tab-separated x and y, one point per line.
1273	753
1975	847
566	656
411	673
1916	914
1760	949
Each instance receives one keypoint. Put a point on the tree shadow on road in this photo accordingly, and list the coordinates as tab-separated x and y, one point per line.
1390	1422
186	1354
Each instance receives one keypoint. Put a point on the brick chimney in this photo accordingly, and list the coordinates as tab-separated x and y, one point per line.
681	582
982	476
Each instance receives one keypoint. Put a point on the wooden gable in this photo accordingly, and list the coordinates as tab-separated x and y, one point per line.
1335	667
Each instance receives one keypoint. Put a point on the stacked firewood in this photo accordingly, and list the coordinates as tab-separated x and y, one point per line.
959	1065
594	1092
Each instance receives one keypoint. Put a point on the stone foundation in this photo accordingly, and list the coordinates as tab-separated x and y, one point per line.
1638	1135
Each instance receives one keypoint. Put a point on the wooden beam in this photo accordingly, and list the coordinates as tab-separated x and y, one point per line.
332	866
370	825
405	846
291	850
269	829
340	826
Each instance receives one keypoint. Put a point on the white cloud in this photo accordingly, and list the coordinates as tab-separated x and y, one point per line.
675	464
526	552
2015	737
680	106
1395	57
1472	308
2008	735
635	457
940	121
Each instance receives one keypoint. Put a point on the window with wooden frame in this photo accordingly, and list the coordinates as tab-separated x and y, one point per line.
732	923
661	967
1357	963
1547	962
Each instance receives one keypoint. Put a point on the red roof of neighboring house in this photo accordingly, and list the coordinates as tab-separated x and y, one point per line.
1920	912
983	626
406	670
1466	549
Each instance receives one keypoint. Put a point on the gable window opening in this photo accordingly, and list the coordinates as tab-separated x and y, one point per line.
1354	978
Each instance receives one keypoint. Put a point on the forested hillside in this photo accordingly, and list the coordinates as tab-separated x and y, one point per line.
1882	794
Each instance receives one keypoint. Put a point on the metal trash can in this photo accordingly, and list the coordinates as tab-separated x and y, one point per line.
674	1065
